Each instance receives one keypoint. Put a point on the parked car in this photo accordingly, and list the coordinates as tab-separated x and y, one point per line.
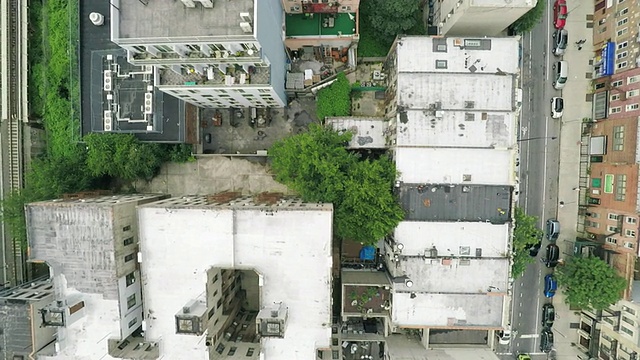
546	340
553	229
560	13
504	337
548	315
550	286
534	249
524	357
557	107
560	41
551	257
561	73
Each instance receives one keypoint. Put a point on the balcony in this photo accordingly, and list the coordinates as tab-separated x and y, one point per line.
367	300
232	75
197	57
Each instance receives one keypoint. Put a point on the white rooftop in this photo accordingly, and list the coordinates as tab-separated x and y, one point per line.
459	275
453	237
454	91
290	248
368	133
87	337
449	165
485	56
448	310
457	129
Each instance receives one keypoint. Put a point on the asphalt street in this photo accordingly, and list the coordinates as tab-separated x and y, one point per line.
538	174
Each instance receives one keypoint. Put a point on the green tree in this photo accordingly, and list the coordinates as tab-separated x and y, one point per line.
529	20
590	282
335	99
389	18
122	156
525	234
319	168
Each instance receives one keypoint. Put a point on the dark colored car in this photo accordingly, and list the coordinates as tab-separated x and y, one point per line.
535	248
560	13
551	257
548	315
550	286
546	340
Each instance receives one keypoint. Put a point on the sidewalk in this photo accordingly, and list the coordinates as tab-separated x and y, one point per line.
576	108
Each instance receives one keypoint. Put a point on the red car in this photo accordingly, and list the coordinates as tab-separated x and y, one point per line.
560	14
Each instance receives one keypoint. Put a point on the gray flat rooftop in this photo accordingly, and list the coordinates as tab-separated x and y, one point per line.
456	129
484	203
458	275
368	133
172	19
484	166
457	238
448	310
290	247
463	56
479	92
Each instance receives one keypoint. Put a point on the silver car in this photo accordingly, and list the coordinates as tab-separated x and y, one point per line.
560	41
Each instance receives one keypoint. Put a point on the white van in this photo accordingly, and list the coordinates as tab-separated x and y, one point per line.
560	74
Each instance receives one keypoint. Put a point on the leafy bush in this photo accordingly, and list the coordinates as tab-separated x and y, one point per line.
318	166
382	20
335	99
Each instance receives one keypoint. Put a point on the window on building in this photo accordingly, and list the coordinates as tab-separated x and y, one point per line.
126	228
632	93
441	64
611	240
612	216
612	228
629	310
211	313
128	241
593	224
129	257
631	220
617	83
133	322
622	65
232	351
215	278
623	21
615	110
615	97
632	107
618	138
130	279
630	233
632	79
622	55
628	245
621	187
622	31
131	301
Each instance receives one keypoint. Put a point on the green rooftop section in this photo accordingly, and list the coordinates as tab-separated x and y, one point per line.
318	24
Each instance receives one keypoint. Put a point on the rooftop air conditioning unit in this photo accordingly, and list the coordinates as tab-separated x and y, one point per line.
271	321
108	120
107	80
206	3
189	3
246	17
246	27
191	319
148	103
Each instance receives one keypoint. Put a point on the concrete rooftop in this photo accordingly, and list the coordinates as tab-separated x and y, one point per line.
455	238
456	129
368	132
278	241
440	310
170	19
455	165
479	203
494	56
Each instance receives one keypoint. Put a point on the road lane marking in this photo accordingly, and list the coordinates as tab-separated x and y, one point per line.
538	302
520	296
529	336
519	314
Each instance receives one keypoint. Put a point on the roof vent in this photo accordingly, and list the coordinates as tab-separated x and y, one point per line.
246	27
96	18
246	17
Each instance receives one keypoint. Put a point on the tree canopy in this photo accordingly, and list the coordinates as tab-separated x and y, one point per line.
318	167
525	235
335	99
590	282
389	18
529	20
